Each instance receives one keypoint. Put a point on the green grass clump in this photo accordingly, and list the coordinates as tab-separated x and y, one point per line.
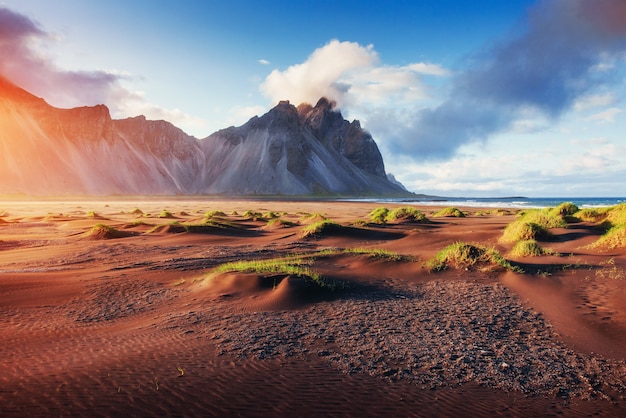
529	248
450	212
252	215
406	213
616	215
277	223
461	255
293	266
590	215
319	228
615	237
564	209
313	217
214	214
520	230
545	218
270	215
615	224
379	215
377	254
165	214
106	231
137	212
92	214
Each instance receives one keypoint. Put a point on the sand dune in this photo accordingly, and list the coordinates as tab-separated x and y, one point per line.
123	313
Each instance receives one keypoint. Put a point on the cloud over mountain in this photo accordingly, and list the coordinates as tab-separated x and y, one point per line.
352	75
564	52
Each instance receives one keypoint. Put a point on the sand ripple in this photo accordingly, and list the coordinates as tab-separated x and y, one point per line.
439	334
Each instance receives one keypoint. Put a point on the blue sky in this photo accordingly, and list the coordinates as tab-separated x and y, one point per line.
464	98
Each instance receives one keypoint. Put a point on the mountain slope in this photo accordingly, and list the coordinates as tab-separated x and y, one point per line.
288	151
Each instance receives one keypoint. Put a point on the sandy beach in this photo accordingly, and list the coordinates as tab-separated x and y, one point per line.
119	308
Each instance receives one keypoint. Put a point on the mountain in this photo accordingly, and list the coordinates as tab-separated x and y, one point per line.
83	151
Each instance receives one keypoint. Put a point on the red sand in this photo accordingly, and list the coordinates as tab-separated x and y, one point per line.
132	326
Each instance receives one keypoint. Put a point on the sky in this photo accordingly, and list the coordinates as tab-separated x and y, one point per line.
481	98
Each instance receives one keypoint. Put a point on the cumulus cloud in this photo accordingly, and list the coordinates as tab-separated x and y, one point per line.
606	116
352	76
22	41
592	101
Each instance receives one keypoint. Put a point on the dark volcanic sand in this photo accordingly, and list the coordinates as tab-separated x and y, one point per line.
134	326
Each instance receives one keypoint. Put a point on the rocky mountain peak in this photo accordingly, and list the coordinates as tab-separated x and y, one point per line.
289	150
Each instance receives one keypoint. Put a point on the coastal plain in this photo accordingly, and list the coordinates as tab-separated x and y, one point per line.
124	307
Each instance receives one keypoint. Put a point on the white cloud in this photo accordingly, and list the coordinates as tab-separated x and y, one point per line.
606	116
591	101
351	75
264	62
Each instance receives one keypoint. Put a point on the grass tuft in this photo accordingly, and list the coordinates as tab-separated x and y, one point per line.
450	212
564	209
377	254
106	231
165	214
379	215
406	214
214	214
293	266
590	215
615	237
320	228
520	230
529	248
278	223
461	255
252	215
615	222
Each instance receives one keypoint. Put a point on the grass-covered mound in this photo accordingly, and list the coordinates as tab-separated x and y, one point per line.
320	228
616	215
564	210
615	225
136	212
464	256
296	266
166	214
102	231
547	218
377	254
406	214
535	224
278	223
311	218
521	230
590	215
450	212
615	237
529	248
212	214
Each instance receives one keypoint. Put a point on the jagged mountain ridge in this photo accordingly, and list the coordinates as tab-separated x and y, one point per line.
83	151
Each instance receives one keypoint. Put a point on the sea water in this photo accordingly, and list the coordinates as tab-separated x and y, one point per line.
505	202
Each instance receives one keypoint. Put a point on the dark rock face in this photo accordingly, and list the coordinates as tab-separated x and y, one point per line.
303	150
287	151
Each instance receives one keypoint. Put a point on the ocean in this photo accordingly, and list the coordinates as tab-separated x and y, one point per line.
506	202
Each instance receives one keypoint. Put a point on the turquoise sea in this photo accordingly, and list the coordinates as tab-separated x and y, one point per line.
507	202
